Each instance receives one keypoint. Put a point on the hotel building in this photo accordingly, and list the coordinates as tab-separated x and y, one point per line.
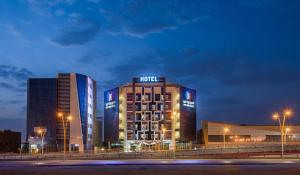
150	113
70	94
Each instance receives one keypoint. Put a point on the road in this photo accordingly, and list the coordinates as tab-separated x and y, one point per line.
157	167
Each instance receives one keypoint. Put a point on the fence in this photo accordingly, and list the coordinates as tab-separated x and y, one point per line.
270	151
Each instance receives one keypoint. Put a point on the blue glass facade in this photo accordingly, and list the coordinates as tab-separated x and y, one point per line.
82	97
187	114
111	115
41	107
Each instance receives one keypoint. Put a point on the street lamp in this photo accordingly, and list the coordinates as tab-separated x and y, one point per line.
41	131
287	130
163	137
174	119
283	130
64	120
225	130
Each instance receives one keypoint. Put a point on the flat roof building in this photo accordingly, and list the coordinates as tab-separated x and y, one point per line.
150	113
10	141
42	109
70	94
214	133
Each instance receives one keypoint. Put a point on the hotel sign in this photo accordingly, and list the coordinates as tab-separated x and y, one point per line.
111	103
111	98
149	79
189	99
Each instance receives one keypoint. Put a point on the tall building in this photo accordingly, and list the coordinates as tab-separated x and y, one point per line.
98	131
42	109
70	94
149	113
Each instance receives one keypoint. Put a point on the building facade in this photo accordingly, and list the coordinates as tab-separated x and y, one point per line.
213	134
98	141
71	95
42	109
10	141
149	113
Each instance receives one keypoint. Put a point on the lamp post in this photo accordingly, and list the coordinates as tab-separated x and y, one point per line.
225	130
64	120
41	131
163	137
287	130
283	130
174	118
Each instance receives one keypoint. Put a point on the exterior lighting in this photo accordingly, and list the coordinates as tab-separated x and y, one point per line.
275	116
225	130
283	129
64	123
41	131
288	112
60	114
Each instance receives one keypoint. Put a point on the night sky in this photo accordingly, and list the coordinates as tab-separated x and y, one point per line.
242	57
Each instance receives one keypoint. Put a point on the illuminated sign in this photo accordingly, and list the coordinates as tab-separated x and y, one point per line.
111	103
188	101
110	96
149	79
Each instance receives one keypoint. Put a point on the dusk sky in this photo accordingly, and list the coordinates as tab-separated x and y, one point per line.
242	57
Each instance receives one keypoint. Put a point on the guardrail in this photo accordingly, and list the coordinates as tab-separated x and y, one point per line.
291	151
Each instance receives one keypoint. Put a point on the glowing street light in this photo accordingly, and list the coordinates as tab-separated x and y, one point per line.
41	131
283	130
64	120
225	130
287	130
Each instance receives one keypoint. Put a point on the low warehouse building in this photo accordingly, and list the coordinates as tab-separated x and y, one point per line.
216	134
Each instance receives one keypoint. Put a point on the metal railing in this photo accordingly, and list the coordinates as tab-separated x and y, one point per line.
267	151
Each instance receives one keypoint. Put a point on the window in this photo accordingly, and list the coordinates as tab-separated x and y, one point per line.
157	97
144	107
138	97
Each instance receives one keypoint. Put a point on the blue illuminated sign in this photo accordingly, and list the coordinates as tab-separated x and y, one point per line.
110	98
149	79
188	97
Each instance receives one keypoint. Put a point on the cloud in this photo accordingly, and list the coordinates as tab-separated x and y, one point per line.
43	7
94	57
222	101
227	84
140	18
10	101
93	1
21	74
258	3
12	29
17	78
207	70
11	87
77	32
133	18
59	12
188	63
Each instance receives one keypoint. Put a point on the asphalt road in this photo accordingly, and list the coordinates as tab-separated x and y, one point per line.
157	167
